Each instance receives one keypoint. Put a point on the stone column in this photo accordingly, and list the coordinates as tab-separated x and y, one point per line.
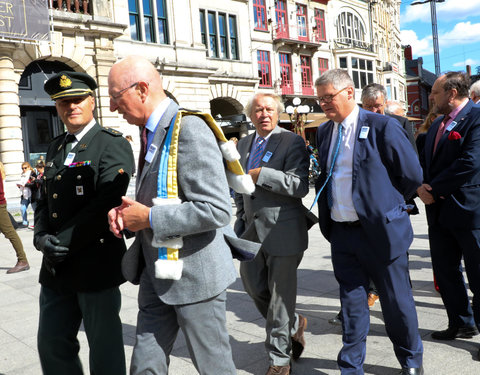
11	142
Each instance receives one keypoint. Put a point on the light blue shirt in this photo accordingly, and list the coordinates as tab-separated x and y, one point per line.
342	201
154	119
151	126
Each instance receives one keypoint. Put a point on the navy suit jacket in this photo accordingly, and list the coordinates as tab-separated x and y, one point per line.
386	172
453	171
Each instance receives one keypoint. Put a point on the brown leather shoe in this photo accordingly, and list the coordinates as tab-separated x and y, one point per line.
19	267
372	298
278	370
298	339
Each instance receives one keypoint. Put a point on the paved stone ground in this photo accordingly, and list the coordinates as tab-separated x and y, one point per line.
317	300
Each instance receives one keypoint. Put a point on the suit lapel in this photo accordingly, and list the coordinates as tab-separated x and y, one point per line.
459	119
79	148
244	150
272	144
359	144
324	147
157	141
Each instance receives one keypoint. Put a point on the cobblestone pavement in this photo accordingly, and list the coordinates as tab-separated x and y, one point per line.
317	300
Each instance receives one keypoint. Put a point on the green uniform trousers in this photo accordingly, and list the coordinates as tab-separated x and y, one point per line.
61	314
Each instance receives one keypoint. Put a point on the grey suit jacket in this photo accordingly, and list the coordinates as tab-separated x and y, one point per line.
274	215
207	261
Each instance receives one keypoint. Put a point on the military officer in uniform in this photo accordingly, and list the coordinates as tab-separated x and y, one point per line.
86	173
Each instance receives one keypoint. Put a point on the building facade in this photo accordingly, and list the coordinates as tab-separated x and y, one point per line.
213	55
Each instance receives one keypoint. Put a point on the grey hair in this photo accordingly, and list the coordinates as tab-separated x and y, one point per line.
338	78
278	101
372	90
392	107
475	88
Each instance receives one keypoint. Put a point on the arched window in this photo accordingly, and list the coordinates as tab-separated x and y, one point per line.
350	28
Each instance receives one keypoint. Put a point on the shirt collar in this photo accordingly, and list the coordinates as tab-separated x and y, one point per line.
79	135
457	110
157	114
350	119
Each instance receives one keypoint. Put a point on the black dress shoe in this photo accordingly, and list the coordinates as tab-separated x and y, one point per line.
298	340
451	333
412	371
337	320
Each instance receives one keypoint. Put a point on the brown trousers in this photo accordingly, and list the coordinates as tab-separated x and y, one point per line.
9	232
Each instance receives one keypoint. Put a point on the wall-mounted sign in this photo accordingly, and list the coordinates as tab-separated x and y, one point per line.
24	19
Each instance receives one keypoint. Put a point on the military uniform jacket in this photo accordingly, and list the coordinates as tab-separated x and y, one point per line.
74	206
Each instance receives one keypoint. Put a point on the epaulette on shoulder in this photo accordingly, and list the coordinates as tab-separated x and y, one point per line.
112	131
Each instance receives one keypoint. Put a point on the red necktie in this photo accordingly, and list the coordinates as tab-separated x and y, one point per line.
143	149
441	130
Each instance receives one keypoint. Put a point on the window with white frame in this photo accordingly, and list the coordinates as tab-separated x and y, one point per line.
350	28
148	21
361	70
219	34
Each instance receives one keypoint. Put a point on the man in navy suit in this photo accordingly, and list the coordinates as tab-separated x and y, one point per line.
451	192
363	214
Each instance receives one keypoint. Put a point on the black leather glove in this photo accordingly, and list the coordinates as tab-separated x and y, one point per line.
48	245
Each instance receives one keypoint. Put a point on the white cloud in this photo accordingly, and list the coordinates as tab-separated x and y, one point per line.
462	33
420	47
470	62
449	10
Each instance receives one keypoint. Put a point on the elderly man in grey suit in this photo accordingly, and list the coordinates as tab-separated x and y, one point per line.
194	303
274	215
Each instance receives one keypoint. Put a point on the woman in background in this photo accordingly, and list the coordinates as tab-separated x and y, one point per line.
26	182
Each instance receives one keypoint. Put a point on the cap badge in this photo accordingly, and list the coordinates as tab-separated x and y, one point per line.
65	82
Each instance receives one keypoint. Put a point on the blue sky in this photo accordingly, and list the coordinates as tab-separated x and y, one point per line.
458	33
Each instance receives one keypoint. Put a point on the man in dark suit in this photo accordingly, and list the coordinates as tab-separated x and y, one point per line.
369	169
451	192
374	99
274	215
195	300
87	171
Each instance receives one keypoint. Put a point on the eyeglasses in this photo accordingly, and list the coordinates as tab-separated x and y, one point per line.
329	98
24	168
122	91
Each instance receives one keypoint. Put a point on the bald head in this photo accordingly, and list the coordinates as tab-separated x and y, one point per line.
135	89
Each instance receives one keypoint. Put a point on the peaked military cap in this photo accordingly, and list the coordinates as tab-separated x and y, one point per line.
66	84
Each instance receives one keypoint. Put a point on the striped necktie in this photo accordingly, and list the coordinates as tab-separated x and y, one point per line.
255	157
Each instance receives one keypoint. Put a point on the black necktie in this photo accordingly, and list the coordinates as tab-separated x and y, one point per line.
67	144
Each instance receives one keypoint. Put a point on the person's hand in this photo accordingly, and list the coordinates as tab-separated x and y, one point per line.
254	173
424	194
129	215
48	244
115	220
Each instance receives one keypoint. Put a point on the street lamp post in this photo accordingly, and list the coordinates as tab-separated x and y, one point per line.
433	14
298	116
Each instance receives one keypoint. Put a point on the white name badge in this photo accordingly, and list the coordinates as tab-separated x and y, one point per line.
69	158
364	132
79	190
451	126
152	150
267	156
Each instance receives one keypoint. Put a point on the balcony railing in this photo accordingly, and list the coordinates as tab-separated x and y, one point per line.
343	43
290	87
291	33
73	6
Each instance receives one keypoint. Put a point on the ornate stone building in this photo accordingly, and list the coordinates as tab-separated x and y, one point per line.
213	55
